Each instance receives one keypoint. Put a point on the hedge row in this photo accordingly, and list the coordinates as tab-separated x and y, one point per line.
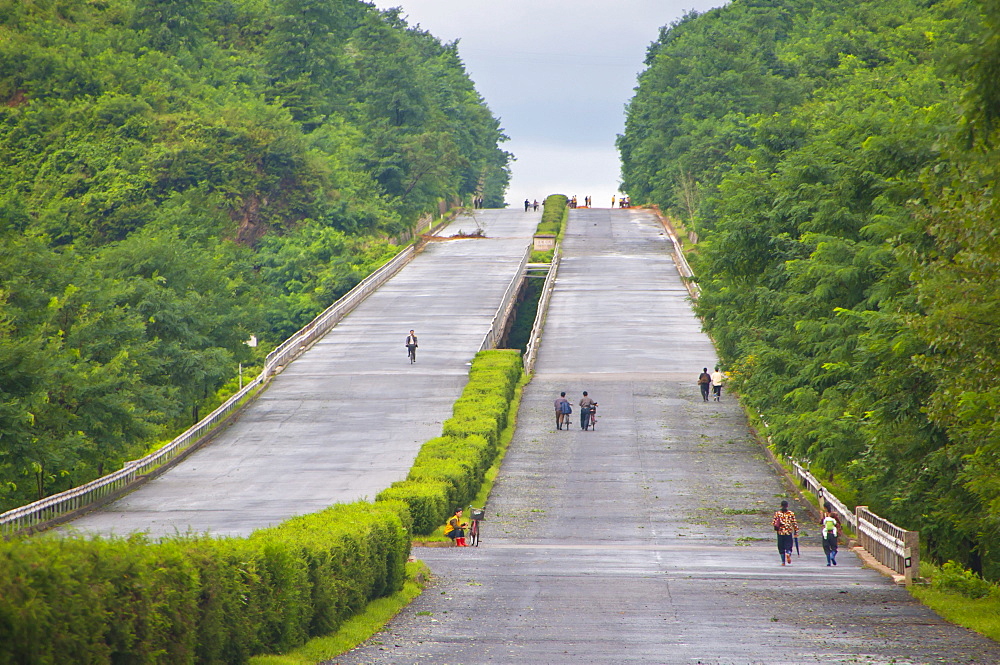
450	469
553	214
197	599
222	600
553	220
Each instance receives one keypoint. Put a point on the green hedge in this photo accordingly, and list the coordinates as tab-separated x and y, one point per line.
197	599
222	600
553	221
449	469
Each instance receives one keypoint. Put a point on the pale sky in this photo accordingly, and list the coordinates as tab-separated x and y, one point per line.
558	74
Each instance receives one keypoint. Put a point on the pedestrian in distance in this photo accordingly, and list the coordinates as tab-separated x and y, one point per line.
586	408
717	380
830	534
455	528
527	204
411	347
612	200
534	205
787	529
704	383
563	409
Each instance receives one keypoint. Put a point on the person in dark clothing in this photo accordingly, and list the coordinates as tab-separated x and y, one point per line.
586	408
411	346
704	382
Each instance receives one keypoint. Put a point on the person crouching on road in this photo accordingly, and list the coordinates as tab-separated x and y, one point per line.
586	408
455	529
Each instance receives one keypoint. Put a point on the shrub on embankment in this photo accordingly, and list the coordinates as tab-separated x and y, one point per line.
449	469
197	599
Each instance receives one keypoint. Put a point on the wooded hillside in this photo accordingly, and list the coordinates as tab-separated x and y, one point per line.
176	175
838	162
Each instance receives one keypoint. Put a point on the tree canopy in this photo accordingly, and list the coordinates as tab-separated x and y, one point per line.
838	163
176	175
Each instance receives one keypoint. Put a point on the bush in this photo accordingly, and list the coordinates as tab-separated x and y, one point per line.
427	502
449	469
953	577
196	599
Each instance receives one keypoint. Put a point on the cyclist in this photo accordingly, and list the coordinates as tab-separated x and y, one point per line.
411	346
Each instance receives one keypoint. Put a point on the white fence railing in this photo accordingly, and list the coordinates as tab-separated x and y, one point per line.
890	545
64	503
683	267
531	350
492	337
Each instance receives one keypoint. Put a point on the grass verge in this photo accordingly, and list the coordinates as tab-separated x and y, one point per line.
979	614
961	597
358	628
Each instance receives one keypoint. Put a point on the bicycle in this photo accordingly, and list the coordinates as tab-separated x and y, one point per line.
476	515
591	422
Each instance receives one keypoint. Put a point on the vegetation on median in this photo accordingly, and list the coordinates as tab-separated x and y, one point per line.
555	212
222	600
197	599
450	469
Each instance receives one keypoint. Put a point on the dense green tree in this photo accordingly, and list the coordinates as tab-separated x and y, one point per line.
176	175
846	210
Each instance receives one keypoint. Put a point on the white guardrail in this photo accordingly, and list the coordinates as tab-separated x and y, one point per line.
64	503
531	350
683	267
506	305
890	545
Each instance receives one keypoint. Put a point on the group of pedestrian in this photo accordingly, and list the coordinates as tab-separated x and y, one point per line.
530	205
787	529
477	202
711	383
623	202
564	409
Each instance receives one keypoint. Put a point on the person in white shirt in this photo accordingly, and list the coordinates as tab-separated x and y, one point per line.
717	380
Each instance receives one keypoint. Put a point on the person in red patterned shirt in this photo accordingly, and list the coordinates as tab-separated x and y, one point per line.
787	529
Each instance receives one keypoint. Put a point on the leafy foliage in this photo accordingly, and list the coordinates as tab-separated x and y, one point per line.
837	162
178	175
198	600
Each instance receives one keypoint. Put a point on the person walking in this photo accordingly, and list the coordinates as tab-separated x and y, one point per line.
563	409
717	380
586	408
704	382
527	204
534	205
411	346
787	530
831	532
612	200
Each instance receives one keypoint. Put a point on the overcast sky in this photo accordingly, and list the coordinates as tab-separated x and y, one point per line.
558	74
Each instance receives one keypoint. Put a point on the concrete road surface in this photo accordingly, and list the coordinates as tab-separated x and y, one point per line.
647	540
347	418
